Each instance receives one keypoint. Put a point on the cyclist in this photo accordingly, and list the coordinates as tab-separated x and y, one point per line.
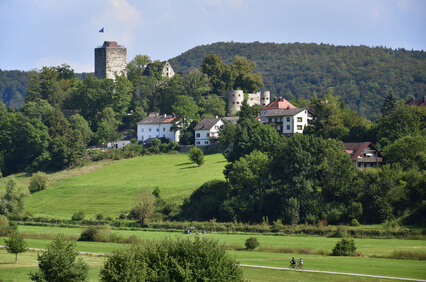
293	262
301	263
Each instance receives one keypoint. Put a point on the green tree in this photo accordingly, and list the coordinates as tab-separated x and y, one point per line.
245	79
38	181
78	122
15	245
219	73
345	247
13	199
196	84
107	126
143	208
389	104
182	259
136	67
60	263
212	106
251	243
408	151
186	110
196	156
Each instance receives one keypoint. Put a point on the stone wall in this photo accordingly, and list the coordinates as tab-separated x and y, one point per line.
110	61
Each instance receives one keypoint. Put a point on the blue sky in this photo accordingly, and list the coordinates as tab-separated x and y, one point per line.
36	33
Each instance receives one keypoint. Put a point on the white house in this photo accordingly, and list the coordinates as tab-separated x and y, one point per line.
206	129
288	121
120	144
157	126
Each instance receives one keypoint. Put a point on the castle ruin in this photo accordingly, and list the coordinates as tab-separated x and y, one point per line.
236	97
110	60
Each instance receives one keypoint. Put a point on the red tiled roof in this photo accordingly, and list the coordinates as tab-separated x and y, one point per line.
355	149
157	119
279	103
416	102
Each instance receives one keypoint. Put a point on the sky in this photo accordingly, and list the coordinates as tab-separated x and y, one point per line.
37	33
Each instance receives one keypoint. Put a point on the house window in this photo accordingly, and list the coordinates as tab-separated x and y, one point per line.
288	127
206	142
150	130
198	134
288	118
164	129
141	129
299	127
198	142
158	129
207	134
299	119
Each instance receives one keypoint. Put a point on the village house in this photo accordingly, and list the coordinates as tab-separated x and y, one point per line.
277	103
416	102
288	121
207	129
120	144
157	126
363	154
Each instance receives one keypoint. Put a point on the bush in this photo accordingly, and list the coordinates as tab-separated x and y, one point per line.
196	156
345	247
4	226
180	259
99	216
96	234
252	243
60	263
38	182
354	222
78	216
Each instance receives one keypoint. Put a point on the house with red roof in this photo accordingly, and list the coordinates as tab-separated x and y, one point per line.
363	154
276	104
416	102
157	126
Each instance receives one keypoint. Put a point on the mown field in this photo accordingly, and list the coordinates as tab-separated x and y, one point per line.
111	187
366	264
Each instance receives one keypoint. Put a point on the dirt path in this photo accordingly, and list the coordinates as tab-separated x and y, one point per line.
331	272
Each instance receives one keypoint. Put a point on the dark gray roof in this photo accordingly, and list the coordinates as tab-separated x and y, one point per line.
284	112
157	119
233	120
207	123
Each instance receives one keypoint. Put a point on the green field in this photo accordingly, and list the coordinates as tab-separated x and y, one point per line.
361	265
110	187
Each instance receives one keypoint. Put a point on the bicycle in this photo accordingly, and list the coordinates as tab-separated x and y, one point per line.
292	266
300	266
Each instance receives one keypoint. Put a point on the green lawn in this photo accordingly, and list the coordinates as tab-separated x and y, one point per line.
111	188
367	247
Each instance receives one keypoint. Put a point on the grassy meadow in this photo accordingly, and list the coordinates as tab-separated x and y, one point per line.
110	187
366	264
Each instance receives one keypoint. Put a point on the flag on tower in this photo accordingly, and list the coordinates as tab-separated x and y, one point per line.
102	30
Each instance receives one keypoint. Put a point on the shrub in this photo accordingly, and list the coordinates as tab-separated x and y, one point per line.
99	216
251	243
354	222
96	234
38	182
196	156
78	216
345	247
60	263
180	259
4	226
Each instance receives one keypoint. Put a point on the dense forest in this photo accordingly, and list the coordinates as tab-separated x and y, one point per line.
361	75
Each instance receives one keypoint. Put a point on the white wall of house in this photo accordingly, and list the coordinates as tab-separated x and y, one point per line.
120	144
146	131
202	136
290	124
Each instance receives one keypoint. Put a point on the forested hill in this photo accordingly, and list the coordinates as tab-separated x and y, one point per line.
361	75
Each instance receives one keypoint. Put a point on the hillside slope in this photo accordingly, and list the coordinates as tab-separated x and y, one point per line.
361	75
111	189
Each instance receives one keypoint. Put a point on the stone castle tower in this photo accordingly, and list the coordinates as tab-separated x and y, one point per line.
236	98
110	60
